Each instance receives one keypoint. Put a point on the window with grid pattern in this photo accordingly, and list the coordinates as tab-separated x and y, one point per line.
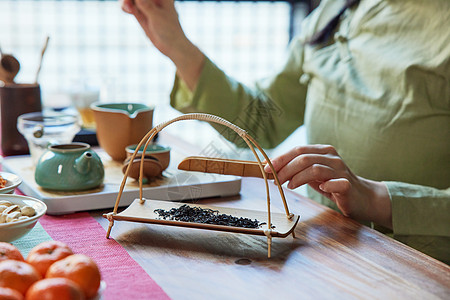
95	43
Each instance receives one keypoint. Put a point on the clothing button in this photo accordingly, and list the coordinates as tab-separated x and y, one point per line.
305	79
340	38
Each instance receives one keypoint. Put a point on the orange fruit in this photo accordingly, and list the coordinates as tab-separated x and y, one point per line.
9	251
45	254
17	275
10	294
55	289
79	268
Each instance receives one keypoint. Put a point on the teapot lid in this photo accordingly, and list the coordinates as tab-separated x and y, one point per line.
71	147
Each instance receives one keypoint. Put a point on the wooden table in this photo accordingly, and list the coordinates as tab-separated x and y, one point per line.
332	257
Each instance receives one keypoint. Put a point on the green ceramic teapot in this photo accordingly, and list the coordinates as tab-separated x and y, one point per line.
69	167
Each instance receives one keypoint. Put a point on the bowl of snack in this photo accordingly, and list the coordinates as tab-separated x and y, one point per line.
9	182
18	215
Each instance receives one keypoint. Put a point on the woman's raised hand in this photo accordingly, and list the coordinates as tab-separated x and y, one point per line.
159	20
323	169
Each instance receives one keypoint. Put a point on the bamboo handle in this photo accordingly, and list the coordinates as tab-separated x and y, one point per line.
223	166
251	143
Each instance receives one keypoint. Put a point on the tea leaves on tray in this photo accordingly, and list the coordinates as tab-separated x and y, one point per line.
186	213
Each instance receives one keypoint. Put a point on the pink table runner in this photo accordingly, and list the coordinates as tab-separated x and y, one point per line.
124	278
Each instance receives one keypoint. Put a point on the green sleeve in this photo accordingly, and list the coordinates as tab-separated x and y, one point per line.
421	217
269	112
272	109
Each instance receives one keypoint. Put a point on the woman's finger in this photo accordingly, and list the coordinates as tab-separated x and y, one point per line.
305	161
315	172
127	6
336	186
339	189
280	161
315	185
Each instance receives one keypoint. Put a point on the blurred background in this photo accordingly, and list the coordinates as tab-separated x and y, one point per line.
95	46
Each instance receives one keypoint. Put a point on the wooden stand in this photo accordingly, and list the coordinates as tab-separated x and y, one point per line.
142	210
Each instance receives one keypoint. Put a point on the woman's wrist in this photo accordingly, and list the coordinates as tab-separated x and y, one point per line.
380	205
189	61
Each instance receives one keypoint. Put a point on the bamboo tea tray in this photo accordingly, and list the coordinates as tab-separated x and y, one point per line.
144	210
145	213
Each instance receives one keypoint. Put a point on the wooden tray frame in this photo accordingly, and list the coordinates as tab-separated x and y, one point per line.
138	211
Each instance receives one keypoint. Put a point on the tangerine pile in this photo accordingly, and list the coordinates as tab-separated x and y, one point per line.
50	271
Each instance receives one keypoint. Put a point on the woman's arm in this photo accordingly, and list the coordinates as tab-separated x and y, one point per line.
408	209
419	210
159	20
270	111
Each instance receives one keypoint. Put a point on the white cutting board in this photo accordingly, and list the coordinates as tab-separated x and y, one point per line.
175	185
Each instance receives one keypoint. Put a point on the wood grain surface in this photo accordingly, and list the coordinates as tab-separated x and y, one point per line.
331	257
223	166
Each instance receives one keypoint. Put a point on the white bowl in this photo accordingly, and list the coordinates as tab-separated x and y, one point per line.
101	289
12	181
12	231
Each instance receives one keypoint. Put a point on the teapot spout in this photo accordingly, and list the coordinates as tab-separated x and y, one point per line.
83	163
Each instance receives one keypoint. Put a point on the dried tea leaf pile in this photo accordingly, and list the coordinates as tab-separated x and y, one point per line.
186	213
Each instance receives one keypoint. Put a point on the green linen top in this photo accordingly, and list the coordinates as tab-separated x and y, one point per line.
378	91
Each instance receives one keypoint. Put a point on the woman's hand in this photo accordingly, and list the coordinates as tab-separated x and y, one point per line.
323	169
160	22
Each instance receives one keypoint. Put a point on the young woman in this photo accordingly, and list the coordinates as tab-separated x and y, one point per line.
372	90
